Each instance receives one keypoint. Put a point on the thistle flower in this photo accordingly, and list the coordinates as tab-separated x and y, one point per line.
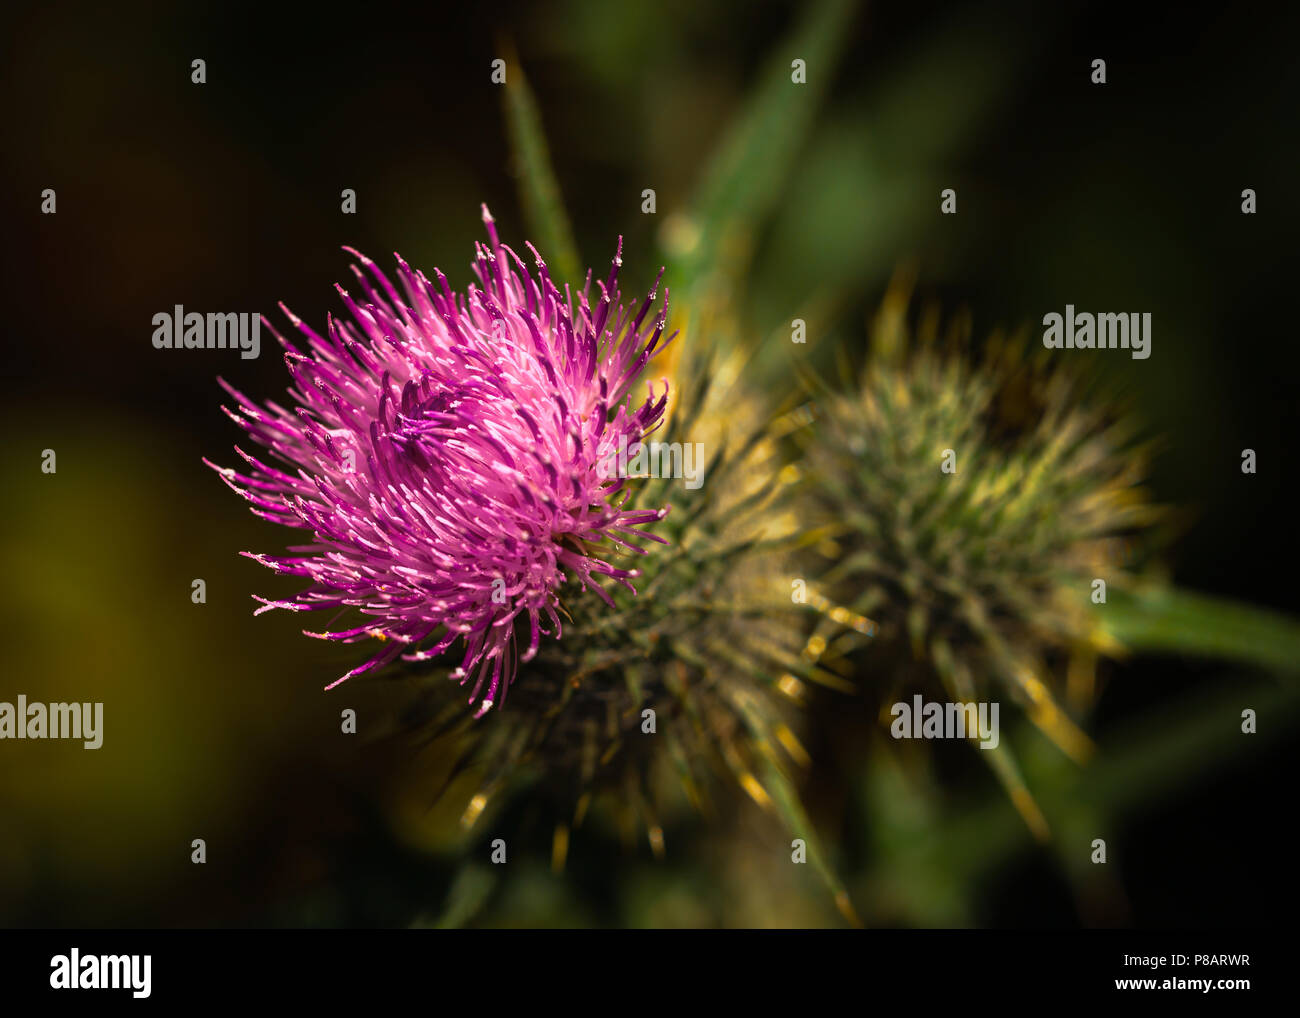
445	454
713	645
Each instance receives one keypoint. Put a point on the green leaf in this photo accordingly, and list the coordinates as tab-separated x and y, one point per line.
539	193
789	808
745	175
1166	619
1144	761
465	899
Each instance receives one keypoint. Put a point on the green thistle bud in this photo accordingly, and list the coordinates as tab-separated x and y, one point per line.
979	505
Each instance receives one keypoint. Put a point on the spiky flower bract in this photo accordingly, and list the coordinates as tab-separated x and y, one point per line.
713	646
445	455
976	499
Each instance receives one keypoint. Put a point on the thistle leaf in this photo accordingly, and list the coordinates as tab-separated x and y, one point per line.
788	806
539	192
1166	619
466	898
745	174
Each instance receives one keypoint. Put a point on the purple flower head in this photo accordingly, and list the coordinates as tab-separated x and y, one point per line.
448	455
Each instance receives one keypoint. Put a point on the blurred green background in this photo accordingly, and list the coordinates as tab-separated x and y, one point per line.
225	196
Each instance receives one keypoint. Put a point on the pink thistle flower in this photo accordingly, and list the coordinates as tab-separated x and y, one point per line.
449	456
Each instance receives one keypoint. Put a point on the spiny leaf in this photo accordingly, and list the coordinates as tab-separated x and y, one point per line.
1148	757
539	193
789	808
467	896
1166	619
746	172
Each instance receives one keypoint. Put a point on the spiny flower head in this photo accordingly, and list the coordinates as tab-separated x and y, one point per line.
448	455
977	499
714	649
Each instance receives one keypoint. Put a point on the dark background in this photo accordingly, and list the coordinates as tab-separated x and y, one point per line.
225	197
